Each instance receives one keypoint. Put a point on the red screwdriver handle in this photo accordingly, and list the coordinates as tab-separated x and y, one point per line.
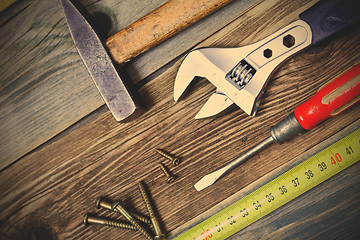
332	99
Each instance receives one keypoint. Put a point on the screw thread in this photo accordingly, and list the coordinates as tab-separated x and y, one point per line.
167	155
100	202
112	223
170	178
132	220
154	220
91	219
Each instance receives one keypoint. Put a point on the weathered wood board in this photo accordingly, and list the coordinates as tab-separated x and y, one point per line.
50	189
45	88
306	210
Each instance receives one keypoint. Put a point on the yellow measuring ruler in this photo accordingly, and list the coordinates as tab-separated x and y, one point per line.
279	191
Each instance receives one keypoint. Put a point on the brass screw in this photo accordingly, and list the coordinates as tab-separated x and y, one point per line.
90	219
132	220
154	220
103	203
173	159
170	178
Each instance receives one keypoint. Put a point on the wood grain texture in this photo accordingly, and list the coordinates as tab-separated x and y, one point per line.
159	25
44	86
303	211
40	72
54	186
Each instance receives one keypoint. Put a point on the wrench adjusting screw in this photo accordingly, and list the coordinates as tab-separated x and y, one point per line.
173	159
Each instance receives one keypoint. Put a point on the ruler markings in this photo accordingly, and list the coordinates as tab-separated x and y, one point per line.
279	191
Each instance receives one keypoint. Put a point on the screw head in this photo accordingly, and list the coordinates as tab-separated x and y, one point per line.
103	203
160	237
171	179
176	161
86	218
97	202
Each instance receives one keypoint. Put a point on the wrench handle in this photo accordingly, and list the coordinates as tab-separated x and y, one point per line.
328	17
331	100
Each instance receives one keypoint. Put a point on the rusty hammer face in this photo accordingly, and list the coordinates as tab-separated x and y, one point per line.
169	19
99	64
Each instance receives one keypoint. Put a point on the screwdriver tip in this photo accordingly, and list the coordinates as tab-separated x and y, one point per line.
199	186
207	181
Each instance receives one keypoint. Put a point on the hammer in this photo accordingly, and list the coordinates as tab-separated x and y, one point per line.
159	25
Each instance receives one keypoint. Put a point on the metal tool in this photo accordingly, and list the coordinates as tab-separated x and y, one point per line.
91	219
159	235
169	176
241	74
164	22
121	209
99	65
329	101
242	210
106	204
174	160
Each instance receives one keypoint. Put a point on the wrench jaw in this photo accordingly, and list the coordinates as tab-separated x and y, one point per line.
212	64
187	72
216	104
203	62
241	74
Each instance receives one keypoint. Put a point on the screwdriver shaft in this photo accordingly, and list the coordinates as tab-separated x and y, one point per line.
214	176
250	153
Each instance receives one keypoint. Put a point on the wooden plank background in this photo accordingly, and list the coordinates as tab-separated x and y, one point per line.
48	190
45	88
305	211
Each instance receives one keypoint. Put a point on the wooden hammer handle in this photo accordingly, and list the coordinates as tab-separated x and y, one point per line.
162	23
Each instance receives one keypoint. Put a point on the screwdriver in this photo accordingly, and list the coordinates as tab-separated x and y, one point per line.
329	101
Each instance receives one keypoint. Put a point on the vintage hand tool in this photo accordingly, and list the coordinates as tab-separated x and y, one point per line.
329	101
162	23
241	74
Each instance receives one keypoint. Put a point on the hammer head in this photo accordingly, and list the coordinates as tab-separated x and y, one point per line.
111	87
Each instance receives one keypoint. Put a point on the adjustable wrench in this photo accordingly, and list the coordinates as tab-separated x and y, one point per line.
241	74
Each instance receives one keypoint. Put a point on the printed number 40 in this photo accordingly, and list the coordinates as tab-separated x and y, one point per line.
338	158
208	235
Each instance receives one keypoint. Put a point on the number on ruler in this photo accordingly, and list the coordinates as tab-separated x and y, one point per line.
349	150
219	227
296	182
282	190
322	166
208	235
338	158
244	212
309	174
270	197
231	220
257	205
